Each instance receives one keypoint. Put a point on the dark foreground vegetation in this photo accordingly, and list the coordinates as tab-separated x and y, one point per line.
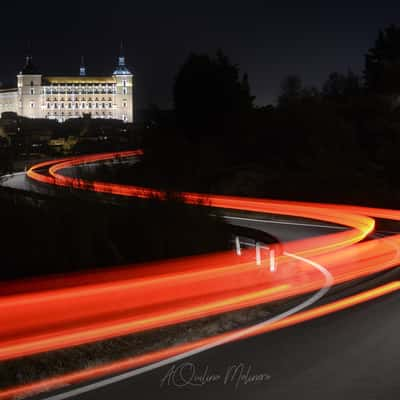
56	235
337	143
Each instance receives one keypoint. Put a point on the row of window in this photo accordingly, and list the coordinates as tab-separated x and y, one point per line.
81	105
73	85
51	92
74	106
108	91
78	99
77	113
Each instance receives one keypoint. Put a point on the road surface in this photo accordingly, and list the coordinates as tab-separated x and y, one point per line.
353	354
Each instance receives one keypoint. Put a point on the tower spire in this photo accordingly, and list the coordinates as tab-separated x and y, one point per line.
29	68
82	69
28	56
121	66
121	58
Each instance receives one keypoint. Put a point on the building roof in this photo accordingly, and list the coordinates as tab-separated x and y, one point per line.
11	90
79	79
121	67
122	71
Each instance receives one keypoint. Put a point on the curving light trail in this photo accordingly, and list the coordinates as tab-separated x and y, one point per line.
54	313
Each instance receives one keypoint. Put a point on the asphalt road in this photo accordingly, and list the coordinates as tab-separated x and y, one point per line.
353	354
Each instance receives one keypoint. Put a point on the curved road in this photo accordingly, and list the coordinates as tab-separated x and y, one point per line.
352	354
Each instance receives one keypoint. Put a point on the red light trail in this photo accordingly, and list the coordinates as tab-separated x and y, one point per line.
53	313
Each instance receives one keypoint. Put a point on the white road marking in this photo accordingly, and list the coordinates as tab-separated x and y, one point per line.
267	221
233	336
12	175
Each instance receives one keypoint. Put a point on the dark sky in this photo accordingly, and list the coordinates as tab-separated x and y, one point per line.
268	39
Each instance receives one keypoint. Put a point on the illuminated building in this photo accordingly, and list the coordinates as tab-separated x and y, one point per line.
63	97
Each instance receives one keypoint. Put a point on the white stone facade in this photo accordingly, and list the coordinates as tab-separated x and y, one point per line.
64	97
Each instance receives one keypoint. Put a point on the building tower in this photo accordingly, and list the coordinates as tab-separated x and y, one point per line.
124	89
29	96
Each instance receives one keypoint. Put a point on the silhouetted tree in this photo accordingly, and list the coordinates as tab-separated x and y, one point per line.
339	85
382	62
291	90
208	92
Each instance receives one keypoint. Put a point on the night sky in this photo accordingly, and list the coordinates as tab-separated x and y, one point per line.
309	38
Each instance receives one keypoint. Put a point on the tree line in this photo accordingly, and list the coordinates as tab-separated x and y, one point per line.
340	140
